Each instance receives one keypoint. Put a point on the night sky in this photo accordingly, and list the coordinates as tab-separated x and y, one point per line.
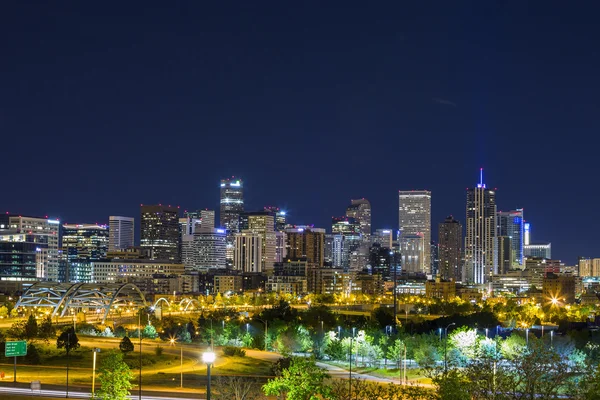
104	106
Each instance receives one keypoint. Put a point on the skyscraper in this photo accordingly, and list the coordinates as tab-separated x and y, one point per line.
503	255
280	217
121	233
160	235
306	242
360	210
84	244
262	223
412	252
232	203
450	249
415	219
481	232
510	224
349	250
248	252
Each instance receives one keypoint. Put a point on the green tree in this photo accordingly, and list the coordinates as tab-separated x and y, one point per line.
46	330
126	346
303	380
31	328
3	312
396	352
237	388
115	377
149	332
68	340
450	385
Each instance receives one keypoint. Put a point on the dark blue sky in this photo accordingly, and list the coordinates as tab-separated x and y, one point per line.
104	106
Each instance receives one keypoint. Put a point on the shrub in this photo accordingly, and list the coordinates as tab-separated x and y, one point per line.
234	351
158	350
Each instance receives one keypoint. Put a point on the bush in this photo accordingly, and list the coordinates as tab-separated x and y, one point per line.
158	350
120	331
33	355
234	351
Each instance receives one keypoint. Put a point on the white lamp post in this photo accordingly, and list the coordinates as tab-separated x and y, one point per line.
208	358
95	350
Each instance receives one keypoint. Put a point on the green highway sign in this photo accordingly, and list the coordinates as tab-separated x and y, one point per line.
16	349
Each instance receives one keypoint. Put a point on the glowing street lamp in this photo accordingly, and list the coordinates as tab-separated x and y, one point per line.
208	358
446	348
95	350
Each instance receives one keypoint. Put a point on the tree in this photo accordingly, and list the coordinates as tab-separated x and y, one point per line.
115	377
450	385
149	332
396	352
46	329
3	312
68	340
126	346
237	388
303	380
31	328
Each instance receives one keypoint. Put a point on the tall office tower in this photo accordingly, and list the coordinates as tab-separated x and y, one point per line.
248	252
415	218
328	249
503	254
510	224
306	242
381	260
280	217
120	233
264	224
539	250
188	252
208	219
450	249
349	245
84	244
232	203
280	246
412	251
46	231
23	258
589	267
360	210
160	232
481	231
435	259
385	237
526	233
210	249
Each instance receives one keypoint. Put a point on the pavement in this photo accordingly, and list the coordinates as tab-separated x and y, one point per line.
21	391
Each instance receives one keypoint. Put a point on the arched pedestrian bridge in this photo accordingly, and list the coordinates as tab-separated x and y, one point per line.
60	297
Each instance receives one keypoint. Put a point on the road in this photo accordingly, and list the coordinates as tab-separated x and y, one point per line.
79	395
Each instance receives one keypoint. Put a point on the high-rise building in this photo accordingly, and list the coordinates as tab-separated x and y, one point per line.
160	232
540	250
481	231
306	242
210	250
280	217
503	255
121	233
232	203
526	233
23	257
385	237
589	267
280	246
511	225
82	244
46	231
415	219
207	218
248	252
412	252
348	244
360	210
450	249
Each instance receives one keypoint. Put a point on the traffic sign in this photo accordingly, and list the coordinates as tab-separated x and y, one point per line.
16	349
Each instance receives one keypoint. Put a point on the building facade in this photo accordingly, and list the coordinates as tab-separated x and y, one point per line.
121	233
510	224
415	219
541	250
450	249
248	252
306	242
412	251
82	244
160	232
480	234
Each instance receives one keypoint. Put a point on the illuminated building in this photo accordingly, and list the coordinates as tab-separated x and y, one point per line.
383	260
348	251
440	289
48	229
209	250
228	284
589	267
306	242
481	233
280	217
510	224
412	251
280	246
293	285
120	233
384	237
450	249
115	271
82	244
22	258
232	203
503	254
526	233
415	219
262	223
248	252
160	235
541	250
360	210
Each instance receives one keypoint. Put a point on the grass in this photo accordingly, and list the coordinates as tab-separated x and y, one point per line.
414	375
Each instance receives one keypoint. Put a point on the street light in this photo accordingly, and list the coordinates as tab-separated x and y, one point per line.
95	350
446	348
486	333
208	358
527	336
173	341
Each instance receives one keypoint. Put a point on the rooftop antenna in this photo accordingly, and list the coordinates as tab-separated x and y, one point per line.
481	176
